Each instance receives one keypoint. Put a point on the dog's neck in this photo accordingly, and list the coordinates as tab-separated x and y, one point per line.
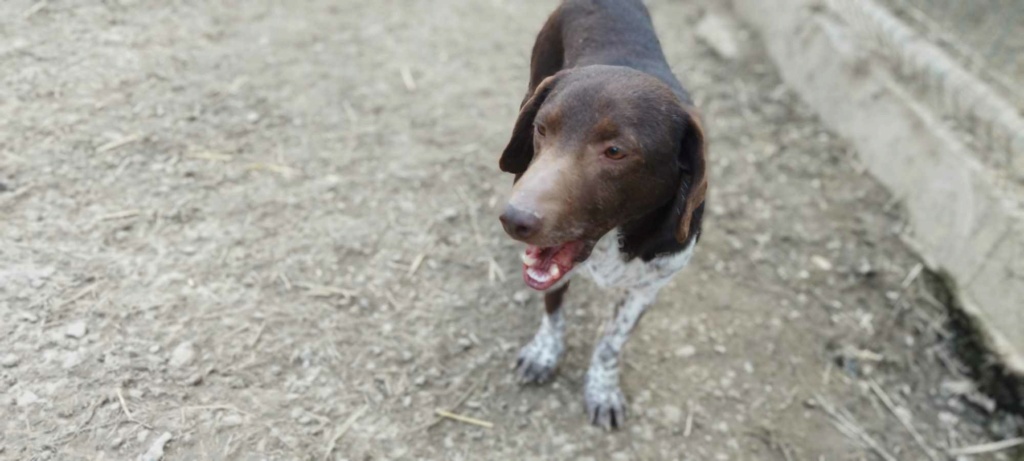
654	234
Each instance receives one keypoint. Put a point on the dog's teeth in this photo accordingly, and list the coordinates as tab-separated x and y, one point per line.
538	275
528	259
554	270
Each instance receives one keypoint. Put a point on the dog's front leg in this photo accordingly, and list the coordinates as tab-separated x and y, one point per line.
539	359
606	406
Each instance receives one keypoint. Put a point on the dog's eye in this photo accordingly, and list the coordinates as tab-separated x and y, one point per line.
541	131
614	153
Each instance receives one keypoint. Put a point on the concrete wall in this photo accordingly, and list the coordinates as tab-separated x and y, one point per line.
964	208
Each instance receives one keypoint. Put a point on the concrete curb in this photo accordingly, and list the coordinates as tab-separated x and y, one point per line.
949	88
964	207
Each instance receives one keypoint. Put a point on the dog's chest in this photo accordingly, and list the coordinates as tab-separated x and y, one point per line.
608	268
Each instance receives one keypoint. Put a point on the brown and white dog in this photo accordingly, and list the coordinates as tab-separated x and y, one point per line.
610	178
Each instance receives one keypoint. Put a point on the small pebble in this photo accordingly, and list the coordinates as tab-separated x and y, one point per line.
948	419
448	214
10	361
821	262
686	351
76	329
864	268
183	355
26	398
71	360
719	34
231	420
521	296
236	382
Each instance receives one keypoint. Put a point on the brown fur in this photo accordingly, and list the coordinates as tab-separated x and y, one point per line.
599	79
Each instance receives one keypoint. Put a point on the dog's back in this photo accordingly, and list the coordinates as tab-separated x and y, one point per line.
611	32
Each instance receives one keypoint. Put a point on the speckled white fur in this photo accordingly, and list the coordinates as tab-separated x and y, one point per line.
607	267
538	359
635	285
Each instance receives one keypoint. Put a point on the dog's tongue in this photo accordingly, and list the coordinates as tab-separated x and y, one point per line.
545	266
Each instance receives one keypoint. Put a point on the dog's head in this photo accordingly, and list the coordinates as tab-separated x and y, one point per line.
595	148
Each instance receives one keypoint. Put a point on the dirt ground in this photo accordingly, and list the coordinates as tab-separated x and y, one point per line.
267	230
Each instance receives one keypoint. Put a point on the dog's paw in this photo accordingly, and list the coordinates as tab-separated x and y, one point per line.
538	360
606	406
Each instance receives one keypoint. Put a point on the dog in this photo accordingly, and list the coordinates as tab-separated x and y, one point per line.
609	159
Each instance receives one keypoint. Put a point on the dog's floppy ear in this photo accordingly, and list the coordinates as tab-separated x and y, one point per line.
694	184
519	151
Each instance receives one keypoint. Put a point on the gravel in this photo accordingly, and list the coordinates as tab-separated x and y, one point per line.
183	355
9	360
76	329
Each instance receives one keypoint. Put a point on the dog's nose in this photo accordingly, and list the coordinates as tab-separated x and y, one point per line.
519	224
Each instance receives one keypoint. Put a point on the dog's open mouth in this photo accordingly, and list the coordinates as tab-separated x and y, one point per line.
545	266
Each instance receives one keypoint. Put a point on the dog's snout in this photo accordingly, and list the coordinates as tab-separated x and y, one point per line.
520	224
